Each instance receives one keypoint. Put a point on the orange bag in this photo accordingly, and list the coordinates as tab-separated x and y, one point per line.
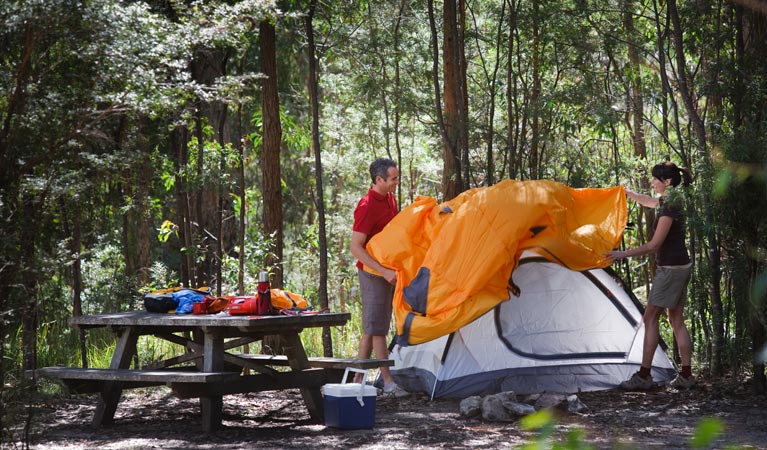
288	300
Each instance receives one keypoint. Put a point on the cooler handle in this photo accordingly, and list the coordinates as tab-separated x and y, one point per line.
362	385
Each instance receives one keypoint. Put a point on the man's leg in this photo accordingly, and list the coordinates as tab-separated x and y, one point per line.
381	350
365	350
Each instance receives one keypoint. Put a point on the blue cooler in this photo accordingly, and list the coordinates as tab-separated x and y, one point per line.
349	406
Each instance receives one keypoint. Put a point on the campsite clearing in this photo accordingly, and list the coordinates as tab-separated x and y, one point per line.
153	418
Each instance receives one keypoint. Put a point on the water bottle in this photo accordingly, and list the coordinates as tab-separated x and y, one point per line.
264	306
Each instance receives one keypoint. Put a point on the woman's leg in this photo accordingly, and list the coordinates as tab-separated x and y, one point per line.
651	334
683	341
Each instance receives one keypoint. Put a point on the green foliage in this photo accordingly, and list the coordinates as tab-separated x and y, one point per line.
160	277
542	421
707	431
256	253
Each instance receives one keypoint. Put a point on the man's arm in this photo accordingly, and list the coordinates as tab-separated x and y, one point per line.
358	250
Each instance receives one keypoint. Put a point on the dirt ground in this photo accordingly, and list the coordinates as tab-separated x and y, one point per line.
154	418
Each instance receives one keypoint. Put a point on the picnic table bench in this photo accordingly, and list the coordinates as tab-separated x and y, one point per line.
214	371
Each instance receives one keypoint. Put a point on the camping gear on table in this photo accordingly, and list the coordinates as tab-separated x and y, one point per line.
454	260
210	305
176	298
568	331
258	305
264	294
349	406
283	300
280	302
249	306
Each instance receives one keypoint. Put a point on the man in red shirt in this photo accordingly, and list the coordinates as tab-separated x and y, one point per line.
373	212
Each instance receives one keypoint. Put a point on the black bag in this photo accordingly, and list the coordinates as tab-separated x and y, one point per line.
162	301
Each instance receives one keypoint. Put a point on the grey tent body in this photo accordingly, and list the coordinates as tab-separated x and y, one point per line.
567	332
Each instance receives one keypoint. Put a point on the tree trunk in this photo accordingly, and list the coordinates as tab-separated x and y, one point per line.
512	109
178	144
313	85
272	139
75	251
398	93
535	97
241	191
463	96
751	42
636	124
143	201
452	178
29	234
491	79
685	90
206	68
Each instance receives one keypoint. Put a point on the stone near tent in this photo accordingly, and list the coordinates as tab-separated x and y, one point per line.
575	405
504	406
471	406
550	400
519	409
531	399
493	409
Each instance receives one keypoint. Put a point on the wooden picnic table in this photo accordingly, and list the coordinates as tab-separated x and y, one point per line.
209	369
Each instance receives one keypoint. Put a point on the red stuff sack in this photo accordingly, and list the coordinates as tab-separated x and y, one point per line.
250	306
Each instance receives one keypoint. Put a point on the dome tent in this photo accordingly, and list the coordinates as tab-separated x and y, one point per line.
460	286
568	331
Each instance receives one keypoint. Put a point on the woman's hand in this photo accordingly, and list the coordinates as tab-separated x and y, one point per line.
616	255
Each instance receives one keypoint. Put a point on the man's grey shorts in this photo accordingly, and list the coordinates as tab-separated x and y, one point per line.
669	287
377	296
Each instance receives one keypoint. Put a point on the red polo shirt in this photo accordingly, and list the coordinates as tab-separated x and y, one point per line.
372	214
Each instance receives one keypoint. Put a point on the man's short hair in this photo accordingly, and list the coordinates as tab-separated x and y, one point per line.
380	168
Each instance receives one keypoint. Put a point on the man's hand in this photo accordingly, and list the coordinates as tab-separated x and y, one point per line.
390	276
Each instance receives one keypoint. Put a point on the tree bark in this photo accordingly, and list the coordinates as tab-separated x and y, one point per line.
512	108
29	233
685	90
272	139
452	178
636	124
491	81
178	144
313	85
535	97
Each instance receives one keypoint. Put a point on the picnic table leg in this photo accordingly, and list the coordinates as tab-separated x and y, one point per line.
213	361
298	360
110	394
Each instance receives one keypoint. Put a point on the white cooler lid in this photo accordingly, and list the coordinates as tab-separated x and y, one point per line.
348	390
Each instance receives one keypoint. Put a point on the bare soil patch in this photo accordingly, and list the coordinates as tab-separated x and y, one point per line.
154	418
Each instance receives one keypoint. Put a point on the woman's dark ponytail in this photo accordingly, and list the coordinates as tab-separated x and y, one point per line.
686	176
669	171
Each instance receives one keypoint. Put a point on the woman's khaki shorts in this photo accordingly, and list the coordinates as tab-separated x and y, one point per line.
669	287
377	296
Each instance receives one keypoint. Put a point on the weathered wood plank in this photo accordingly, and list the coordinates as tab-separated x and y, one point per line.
168	322
320	361
308	379
152	376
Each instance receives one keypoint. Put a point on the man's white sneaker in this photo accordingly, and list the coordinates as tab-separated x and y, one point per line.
394	390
